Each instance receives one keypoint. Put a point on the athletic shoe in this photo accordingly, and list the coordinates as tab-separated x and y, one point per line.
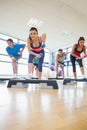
73	82
15	76
29	76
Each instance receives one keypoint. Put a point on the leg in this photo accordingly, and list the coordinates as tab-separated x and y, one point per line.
30	68
57	66
33	70
82	70
30	64
81	66
62	67
36	71
15	66
40	65
73	59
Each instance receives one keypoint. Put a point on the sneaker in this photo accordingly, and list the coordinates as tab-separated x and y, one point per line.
15	76
73	82
29	76
83	77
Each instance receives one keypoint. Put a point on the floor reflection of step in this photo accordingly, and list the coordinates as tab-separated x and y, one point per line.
44	85
20	85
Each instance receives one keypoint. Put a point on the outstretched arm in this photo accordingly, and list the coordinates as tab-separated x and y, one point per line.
22	49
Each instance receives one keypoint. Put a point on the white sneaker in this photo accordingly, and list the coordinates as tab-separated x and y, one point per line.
83	77
15	76
73	82
29	76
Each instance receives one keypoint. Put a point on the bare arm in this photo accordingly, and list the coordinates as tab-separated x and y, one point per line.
43	37
23	48
64	53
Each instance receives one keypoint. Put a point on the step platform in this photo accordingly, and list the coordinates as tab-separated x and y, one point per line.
56	78
52	83
69	80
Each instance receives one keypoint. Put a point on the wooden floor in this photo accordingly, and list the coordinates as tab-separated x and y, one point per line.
44	109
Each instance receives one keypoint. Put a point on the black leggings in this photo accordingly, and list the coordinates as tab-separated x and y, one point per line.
73	59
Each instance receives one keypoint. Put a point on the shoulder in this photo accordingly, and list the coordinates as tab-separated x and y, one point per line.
16	44
75	45
29	41
7	48
58	55
84	47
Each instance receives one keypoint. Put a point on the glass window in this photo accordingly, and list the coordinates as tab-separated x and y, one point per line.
22	42
46	58
46	50
5	37
3	45
5	68
69	49
68	56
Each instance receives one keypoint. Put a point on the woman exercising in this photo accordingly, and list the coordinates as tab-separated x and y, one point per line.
36	50
76	55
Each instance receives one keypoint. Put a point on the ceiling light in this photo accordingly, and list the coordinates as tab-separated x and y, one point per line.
34	22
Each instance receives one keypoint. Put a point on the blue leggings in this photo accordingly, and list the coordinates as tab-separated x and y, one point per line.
73	59
31	57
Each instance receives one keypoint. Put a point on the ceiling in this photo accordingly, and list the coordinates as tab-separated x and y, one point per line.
64	20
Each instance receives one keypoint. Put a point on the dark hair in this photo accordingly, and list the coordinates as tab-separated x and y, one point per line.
60	50
33	28
10	40
81	38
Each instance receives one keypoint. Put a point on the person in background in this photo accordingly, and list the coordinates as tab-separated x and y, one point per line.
77	49
60	61
34	44
15	53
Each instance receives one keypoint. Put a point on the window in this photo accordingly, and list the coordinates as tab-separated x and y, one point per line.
69	49
3	46
5	37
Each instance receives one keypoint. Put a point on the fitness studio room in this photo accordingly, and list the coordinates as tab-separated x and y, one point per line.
43	65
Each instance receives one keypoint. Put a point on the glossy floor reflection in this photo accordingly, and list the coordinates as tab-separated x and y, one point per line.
33	108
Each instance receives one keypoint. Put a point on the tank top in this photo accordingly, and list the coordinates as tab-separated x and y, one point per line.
61	58
76	52
37	49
